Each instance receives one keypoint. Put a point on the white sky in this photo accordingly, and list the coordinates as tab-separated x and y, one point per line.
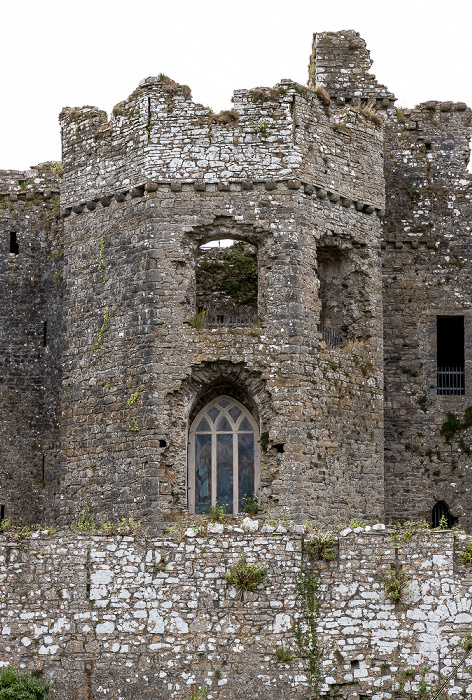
55	53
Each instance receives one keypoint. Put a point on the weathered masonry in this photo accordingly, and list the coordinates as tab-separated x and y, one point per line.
125	618
154	374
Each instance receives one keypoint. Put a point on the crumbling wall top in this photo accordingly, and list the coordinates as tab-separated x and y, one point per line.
340	61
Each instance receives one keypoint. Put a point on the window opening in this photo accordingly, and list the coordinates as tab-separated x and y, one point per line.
428	146
227	283
450	355
43	468
223	456
162	443
2	513
14	247
333	294
441	510
45	334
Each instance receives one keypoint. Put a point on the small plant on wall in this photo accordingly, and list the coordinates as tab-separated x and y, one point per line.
217	513
244	576
284	655
395	584
14	684
321	546
466	555
250	505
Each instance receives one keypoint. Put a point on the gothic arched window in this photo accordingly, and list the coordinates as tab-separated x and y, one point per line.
223	456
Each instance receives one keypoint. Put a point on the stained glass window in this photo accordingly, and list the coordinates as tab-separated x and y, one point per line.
223	456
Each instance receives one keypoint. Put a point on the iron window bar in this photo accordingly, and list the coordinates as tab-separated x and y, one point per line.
450	381
331	336
219	320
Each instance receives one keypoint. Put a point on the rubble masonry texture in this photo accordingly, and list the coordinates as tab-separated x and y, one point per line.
153	618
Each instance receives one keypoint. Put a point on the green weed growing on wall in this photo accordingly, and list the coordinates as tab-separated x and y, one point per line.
395	584
306	630
466	555
15	684
99	338
321	545
244	576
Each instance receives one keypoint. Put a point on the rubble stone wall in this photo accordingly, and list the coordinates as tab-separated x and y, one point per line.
426	259
118	617
30	338
130	270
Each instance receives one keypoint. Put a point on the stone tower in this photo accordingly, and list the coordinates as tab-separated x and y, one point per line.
300	179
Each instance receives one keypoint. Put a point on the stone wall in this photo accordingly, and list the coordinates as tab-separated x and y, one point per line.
322	404
30	338
119	617
426	260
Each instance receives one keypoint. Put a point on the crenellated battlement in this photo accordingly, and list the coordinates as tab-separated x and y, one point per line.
159	134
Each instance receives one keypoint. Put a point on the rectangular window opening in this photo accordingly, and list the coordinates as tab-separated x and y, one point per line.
2	513
450	355
45	334
14	248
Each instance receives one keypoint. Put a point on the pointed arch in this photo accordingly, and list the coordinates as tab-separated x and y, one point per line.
223	460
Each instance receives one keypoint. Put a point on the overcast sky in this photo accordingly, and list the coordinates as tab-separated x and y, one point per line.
56	53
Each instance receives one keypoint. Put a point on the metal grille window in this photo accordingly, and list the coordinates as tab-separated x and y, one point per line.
331	336
441	510
223	456
450	355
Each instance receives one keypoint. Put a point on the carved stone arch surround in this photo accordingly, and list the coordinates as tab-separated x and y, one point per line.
206	381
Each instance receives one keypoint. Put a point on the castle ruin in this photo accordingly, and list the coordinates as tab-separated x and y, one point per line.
321	380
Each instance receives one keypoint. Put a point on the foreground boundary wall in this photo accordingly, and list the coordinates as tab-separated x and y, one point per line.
119	617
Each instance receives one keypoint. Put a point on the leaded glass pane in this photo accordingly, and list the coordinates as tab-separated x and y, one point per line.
234	413
245	467
213	413
202	473
223	424
203	426
224	470
223	403
245	425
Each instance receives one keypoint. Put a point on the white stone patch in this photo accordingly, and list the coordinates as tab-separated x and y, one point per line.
282	623
101	577
61	625
156	622
105	628
250	525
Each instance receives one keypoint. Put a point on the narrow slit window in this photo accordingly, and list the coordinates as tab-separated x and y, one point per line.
14	248
45	334
2	513
450	355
